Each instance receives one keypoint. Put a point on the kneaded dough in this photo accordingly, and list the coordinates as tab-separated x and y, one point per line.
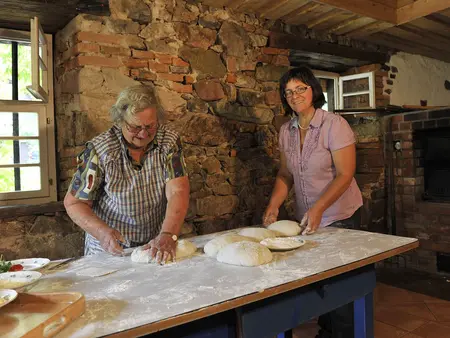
257	233
285	228
184	249
244	254
213	246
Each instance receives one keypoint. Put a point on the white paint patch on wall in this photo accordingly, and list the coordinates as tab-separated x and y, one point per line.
419	78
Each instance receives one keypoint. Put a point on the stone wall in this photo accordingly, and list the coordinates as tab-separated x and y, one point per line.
39	231
216	80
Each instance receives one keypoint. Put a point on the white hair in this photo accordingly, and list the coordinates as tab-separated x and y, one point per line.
133	100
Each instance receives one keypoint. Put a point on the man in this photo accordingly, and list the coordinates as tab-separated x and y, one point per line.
131	186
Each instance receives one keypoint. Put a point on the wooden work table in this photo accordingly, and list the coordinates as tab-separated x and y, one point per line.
334	267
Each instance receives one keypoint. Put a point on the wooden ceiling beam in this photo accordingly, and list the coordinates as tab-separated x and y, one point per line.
289	41
419	9
367	8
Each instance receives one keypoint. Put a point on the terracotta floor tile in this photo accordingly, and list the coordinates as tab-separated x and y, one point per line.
398	318
440	310
416	309
307	330
386	294
433	330
383	330
411	335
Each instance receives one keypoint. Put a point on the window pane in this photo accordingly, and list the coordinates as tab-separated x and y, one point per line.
28	124
28	152
24	67
30	178
5	71
6	179
357	85
357	101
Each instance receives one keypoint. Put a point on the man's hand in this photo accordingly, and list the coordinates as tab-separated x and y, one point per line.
162	248
270	216
109	239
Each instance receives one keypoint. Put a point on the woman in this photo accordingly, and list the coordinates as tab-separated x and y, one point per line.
131	186
318	157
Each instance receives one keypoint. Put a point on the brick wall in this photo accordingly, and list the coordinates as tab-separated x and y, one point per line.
427	221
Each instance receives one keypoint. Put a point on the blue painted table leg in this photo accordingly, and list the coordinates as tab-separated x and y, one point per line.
363	316
287	334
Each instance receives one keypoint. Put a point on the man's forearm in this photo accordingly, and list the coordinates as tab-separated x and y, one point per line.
177	207
85	218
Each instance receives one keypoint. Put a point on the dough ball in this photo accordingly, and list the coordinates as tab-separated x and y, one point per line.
140	255
184	249
285	228
257	233
213	246
244	254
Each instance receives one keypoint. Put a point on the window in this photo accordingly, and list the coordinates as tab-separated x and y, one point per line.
357	91
329	83
27	155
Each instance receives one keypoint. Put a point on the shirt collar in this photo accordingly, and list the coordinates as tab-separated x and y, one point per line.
315	122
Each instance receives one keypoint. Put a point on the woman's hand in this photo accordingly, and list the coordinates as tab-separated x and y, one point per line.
311	220
270	215
109	240
162	248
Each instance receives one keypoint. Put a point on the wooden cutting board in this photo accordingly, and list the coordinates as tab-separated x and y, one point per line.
35	315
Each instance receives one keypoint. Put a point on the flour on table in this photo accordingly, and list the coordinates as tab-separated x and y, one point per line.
95	271
285	228
214	245
245	254
184	249
257	233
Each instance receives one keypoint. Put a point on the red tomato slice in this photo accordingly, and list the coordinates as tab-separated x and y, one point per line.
16	267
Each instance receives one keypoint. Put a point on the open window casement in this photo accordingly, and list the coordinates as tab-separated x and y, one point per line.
357	91
39	57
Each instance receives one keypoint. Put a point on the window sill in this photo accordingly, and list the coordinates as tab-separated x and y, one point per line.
30	210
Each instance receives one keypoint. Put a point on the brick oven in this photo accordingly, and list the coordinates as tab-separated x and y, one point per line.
418	156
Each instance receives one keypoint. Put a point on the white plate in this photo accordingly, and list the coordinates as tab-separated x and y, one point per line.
30	264
7	296
283	243
18	280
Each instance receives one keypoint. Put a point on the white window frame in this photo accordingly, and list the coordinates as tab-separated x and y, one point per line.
371	79
332	76
45	110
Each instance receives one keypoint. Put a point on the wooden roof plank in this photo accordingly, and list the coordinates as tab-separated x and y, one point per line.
326	16
370	29
419	39
367	8
335	20
292	16
406	46
432	26
353	24
282	8
316	12
420	8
